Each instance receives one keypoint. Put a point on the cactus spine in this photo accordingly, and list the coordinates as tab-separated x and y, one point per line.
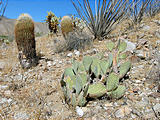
66	25
25	39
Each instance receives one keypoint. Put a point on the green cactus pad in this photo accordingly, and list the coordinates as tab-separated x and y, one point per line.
78	84
75	65
73	100
87	61
81	68
110	45
83	78
81	100
69	72
122	46
96	90
95	67
119	92
122	56
110	59
124	68
104	66
112	82
69	82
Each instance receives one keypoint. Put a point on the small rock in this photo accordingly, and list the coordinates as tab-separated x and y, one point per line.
157	107
130	46
157	34
3	87
79	111
2	65
21	116
7	93
5	100
49	63
77	53
157	22
69	54
146	28
158	42
60	62
140	54
122	112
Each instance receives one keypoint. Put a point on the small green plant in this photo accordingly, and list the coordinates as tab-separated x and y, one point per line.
96	76
53	22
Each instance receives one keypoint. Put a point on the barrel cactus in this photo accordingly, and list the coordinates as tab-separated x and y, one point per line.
95	77
66	25
25	39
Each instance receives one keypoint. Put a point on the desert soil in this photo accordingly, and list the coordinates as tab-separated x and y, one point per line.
35	94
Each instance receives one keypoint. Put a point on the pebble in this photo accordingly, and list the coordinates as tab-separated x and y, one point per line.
77	53
21	116
5	100
69	54
146	27
60	62
157	34
49	63
130	46
79	111
2	65
3	87
157	107
122	112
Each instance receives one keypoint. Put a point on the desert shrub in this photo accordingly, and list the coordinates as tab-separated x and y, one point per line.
103	19
73	41
153	8
137	10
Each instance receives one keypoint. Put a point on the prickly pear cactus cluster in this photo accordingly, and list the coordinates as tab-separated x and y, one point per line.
66	25
96	76
25	39
53	22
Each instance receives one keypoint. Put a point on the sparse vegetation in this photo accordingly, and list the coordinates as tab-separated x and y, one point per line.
73	41
153	8
137	10
108	80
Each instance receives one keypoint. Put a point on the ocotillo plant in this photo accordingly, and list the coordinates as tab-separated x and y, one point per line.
25	39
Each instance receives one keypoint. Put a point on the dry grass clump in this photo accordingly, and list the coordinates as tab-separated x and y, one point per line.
73	41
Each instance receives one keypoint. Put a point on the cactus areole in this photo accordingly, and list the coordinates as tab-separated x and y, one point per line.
25	39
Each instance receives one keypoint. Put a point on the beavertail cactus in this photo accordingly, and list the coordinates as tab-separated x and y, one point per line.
25	39
95	76
66	25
